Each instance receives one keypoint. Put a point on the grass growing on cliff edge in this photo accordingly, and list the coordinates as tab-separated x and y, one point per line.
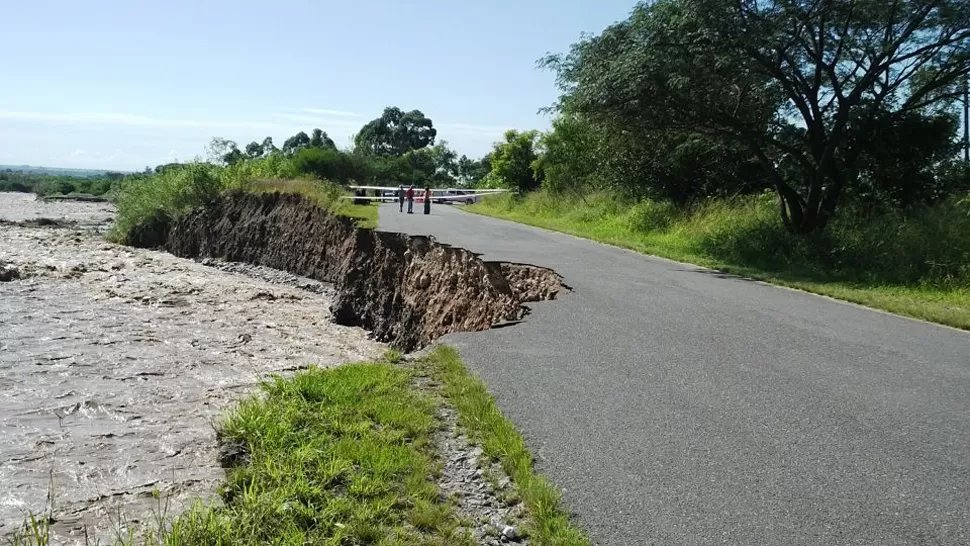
487	427
178	190
916	264
325	195
337	456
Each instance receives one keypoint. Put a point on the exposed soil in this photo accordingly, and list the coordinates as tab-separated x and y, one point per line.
407	290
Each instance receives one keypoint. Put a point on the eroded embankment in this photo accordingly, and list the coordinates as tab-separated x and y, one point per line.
408	290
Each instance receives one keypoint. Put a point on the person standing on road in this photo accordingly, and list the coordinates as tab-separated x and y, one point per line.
410	197
427	200
400	197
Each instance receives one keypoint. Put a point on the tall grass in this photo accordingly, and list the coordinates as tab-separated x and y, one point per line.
917	263
178	190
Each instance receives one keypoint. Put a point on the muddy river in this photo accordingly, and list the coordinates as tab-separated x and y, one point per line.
116	363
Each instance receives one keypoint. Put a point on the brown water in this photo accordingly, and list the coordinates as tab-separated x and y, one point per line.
115	364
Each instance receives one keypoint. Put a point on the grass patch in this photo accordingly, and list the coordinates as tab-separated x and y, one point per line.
325	195
501	442
159	198
916	264
338	456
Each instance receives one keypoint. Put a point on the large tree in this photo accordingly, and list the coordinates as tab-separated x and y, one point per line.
321	140
791	80
296	143
514	162
395	133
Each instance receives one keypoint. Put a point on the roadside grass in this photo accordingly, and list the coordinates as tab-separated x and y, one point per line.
344	456
501	442
337	456
324	194
916	264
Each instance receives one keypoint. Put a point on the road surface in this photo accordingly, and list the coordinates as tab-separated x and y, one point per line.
676	405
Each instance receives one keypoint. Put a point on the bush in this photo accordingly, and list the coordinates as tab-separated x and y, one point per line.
14	186
173	192
325	164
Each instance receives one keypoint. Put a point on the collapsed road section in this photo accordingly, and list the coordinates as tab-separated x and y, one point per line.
407	290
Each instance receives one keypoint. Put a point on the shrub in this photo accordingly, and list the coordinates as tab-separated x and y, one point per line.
173	192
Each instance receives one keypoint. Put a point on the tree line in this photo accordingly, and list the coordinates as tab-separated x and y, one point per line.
396	148
830	105
825	103
49	184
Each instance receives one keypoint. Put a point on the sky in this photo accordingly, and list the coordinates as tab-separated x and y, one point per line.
123	85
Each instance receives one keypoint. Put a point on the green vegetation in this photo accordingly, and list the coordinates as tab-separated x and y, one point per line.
396	148
500	441
917	264
809	144
344	456
46	184
175	190
338	456
828	105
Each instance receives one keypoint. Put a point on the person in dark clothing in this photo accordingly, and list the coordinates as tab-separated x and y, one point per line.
400	197
410	197
427	200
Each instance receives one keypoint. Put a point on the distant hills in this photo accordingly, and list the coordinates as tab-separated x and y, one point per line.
56	171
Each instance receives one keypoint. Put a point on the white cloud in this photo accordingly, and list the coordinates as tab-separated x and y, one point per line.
116	118
321	122
326	112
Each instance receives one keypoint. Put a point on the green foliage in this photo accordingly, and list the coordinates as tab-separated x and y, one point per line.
893	180
514	162
395	133
45	184
339	456
326	164
820	102
296	143
321	140
171	193
916	263
471	172
146	199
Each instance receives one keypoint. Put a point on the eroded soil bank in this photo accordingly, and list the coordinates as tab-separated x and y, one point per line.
115	363
407	290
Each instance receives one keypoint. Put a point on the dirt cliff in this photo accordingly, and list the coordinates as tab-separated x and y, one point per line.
407	290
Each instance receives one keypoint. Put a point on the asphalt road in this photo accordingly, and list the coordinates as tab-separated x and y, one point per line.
675	405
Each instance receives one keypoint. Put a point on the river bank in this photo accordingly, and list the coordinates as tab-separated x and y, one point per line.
116	362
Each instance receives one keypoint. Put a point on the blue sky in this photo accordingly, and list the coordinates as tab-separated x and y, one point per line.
125	84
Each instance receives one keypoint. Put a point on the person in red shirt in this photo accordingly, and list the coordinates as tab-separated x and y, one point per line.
410	198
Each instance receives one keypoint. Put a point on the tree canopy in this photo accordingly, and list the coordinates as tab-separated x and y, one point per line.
396	133
797	88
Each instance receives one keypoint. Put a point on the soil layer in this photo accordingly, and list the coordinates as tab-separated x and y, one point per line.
407	290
